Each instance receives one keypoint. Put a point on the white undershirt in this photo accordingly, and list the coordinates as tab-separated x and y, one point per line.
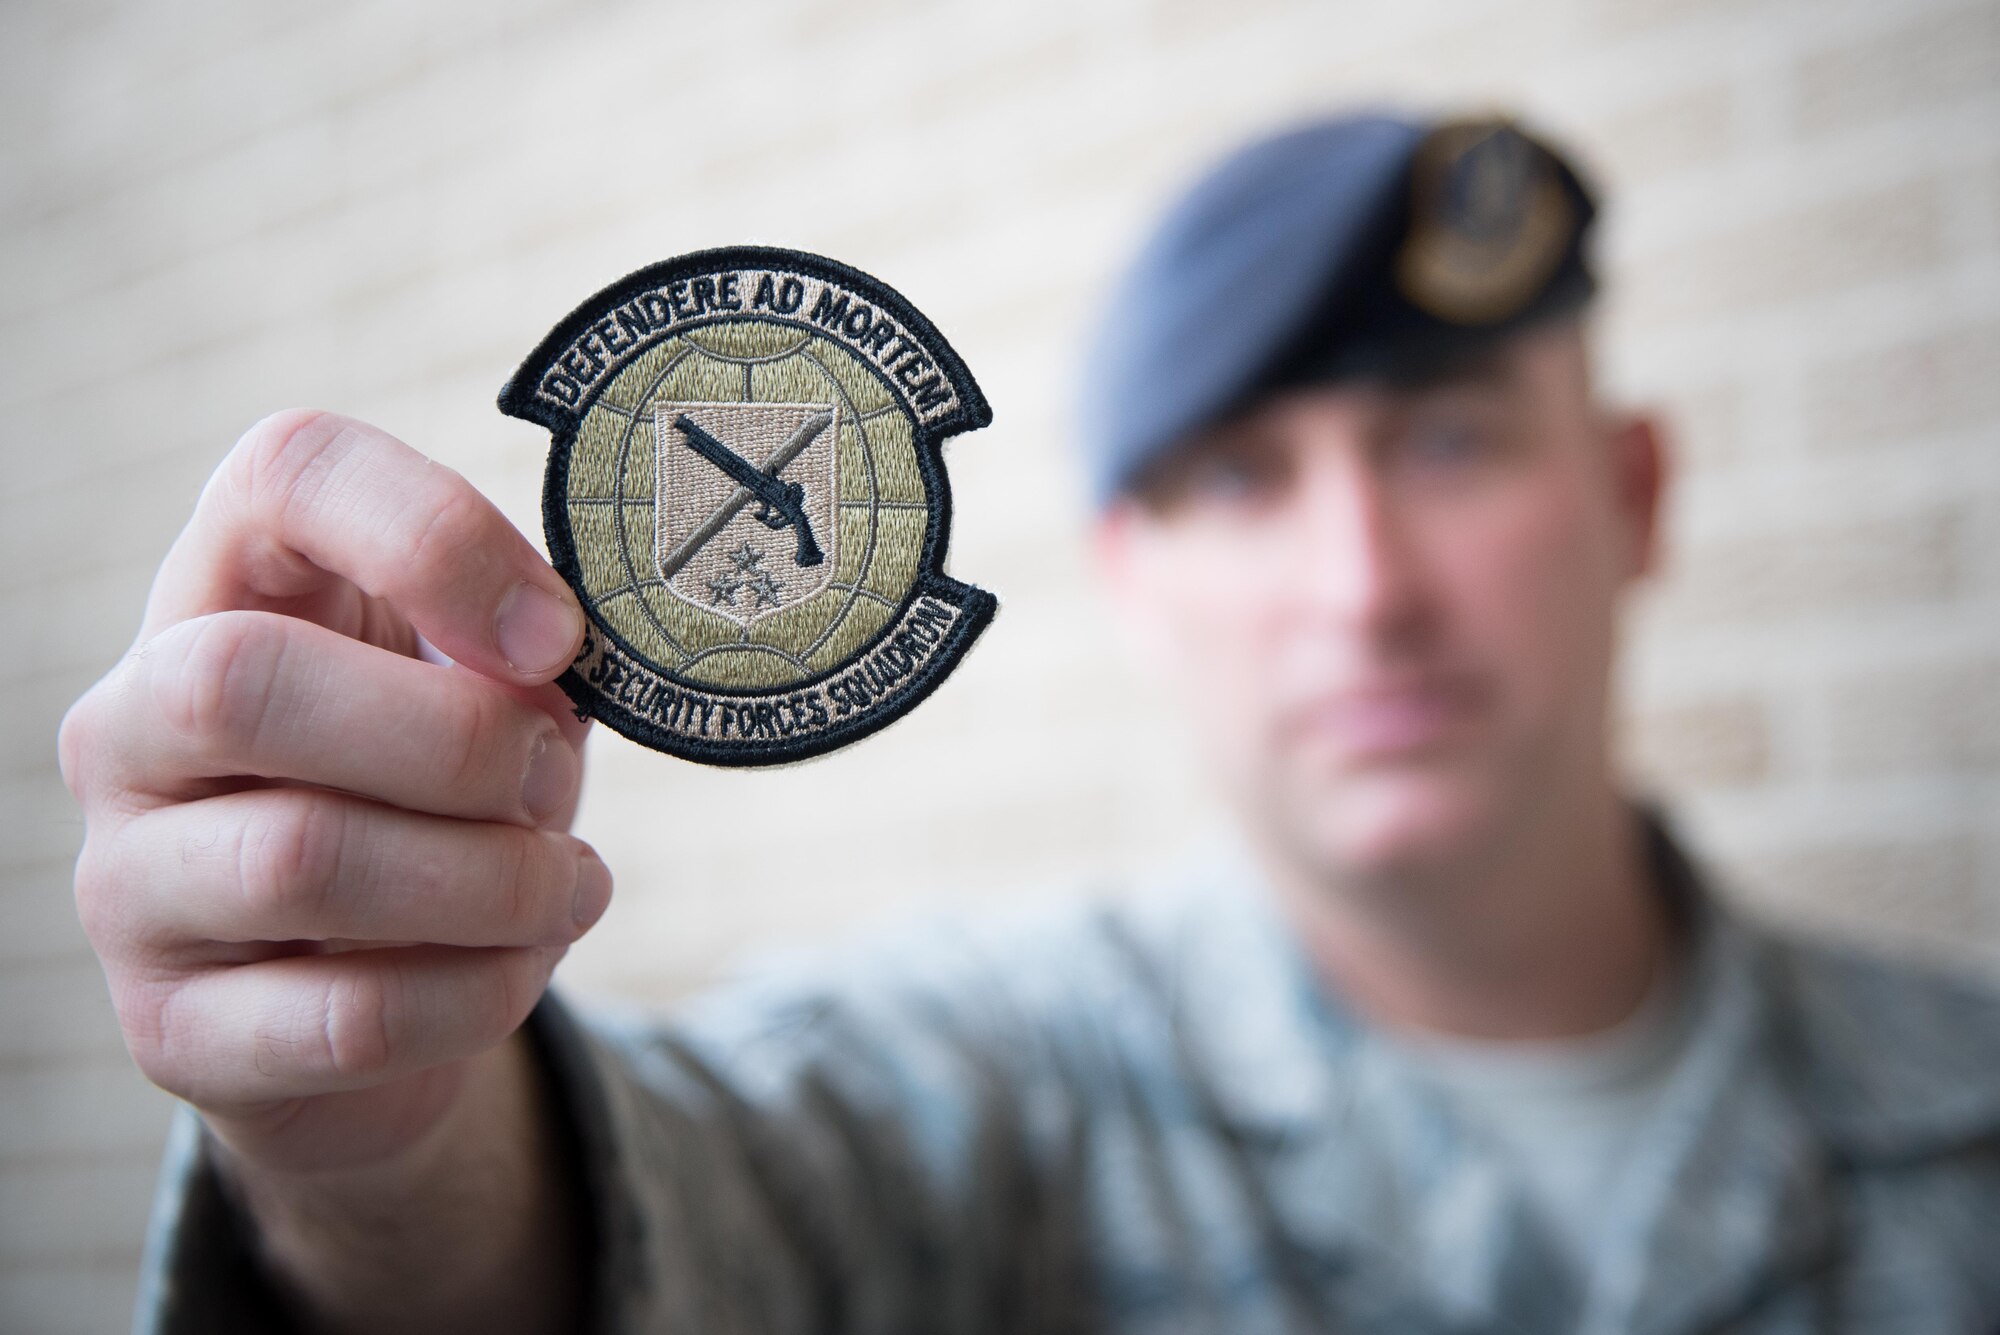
1568	1112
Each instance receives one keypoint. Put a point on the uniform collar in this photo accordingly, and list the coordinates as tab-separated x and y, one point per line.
1881	1057
1366	1175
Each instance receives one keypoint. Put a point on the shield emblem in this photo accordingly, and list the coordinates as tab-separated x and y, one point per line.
745	516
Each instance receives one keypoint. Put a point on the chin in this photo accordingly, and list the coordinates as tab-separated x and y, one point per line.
1392	824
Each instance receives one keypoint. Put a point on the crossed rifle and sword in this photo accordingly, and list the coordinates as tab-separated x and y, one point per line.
780	504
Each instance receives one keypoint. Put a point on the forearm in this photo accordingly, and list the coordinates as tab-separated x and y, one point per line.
476	1227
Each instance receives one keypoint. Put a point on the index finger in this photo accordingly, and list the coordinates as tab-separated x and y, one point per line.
309	498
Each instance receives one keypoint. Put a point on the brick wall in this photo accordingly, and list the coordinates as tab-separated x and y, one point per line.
213	210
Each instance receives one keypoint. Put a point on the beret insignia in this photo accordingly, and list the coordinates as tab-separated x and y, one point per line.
1489	223
745	489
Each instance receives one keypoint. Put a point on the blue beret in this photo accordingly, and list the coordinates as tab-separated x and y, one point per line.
1358	245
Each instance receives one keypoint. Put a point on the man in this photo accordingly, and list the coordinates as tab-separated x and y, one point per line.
1454	1041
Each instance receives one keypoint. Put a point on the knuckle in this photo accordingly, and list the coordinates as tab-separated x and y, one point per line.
523	883
290	860
98	728
217	689
520	978
97	899
145	1020
355	1024
448	522
271	457
79	741
486	728
285	468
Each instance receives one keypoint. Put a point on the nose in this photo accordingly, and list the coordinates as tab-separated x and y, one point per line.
1358	565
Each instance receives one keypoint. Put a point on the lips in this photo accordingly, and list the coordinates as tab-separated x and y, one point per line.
1386	720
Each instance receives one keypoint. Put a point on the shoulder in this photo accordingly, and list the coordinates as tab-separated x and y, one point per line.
1891	1055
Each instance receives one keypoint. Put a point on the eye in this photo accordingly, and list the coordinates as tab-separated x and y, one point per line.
1233	474
1446	442
1451	439
1230	476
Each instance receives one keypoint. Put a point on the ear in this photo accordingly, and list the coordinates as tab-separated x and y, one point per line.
1641	470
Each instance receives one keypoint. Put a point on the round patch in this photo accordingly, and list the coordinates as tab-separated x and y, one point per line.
1489	223
746	492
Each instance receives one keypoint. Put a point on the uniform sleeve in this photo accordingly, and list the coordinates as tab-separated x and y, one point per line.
201	1273
809	1156
827	1157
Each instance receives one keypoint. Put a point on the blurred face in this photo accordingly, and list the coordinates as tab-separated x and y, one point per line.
1390	611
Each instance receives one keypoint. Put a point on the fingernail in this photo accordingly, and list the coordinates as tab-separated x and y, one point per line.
593	891
535	629
551	778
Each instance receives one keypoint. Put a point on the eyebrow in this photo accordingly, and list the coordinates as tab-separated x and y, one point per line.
1488	366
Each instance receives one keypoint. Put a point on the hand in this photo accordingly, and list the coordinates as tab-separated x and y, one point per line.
326	878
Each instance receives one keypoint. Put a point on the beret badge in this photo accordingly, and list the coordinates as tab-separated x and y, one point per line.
1489	223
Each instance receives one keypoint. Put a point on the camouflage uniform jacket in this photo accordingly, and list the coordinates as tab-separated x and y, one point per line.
1141	1115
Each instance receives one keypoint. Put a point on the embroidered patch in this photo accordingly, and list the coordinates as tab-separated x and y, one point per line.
1489	223
746	491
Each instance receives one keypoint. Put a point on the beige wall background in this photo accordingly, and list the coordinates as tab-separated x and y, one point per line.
212	210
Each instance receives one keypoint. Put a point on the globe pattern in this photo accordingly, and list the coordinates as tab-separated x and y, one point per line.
882	506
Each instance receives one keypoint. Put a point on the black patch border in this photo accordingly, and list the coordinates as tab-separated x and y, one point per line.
975	607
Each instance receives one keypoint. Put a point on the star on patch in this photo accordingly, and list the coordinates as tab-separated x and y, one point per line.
749	576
